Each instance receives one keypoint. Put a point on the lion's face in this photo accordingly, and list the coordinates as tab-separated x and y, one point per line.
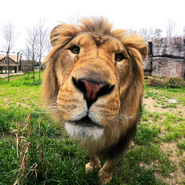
89	93
93	73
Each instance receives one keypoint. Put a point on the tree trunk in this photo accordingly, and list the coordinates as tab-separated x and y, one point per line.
33	73
8	64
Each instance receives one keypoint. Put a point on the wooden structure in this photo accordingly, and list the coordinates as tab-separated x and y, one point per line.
14	63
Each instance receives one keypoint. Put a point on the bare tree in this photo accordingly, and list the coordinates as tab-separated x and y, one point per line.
31	46
42	40
171	27
28	58
146	33
10	37
157	33
48	43
36	43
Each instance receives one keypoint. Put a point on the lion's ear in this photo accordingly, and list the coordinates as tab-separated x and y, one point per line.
55	33
62	34
136	46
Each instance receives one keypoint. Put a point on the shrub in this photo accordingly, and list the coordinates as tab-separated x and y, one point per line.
174	83
169	82
156	82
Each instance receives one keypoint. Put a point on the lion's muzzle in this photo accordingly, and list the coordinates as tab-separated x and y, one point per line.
92	90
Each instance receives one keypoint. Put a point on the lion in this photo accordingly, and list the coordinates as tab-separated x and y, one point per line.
93	84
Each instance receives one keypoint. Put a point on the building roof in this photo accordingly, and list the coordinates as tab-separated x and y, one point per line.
13	57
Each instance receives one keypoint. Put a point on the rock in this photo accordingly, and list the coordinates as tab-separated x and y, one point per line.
168	67
172	47
166	57
146	63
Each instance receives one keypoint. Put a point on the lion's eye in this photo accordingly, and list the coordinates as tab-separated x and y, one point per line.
119	57
75	49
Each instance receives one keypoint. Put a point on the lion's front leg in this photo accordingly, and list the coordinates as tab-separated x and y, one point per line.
94	163
105	172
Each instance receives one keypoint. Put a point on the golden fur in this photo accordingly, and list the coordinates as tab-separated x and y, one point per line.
107	124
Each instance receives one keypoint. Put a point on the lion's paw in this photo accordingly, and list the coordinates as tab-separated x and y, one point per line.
90	166
104	176
131	144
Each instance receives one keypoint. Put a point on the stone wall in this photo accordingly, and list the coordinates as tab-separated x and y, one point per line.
166	57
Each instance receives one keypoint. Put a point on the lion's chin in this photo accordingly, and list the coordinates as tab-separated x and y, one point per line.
84	129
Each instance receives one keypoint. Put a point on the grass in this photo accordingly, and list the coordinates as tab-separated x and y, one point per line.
35	151
161	94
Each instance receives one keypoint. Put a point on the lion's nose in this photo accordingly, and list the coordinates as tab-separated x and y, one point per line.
92	90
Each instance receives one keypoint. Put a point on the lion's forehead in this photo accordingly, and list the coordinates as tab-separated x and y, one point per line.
103	42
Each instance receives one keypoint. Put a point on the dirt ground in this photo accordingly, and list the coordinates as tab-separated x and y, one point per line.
149	105
178	176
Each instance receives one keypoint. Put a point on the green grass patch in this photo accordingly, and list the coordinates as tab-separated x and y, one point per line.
181	145
145	134
52	158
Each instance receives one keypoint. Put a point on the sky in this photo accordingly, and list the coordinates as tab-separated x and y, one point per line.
124	14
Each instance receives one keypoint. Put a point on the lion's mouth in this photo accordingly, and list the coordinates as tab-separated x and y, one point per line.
83	129
86	122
